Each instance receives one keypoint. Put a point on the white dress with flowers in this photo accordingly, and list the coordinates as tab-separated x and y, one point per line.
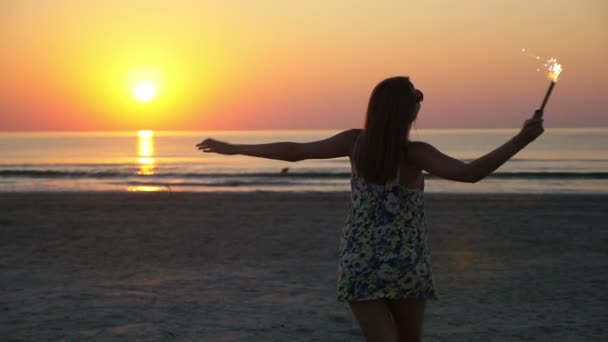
384	250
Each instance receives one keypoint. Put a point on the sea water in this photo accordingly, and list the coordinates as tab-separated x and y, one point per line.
560	161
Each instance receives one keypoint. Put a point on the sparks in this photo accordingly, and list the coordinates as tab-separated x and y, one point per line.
554	69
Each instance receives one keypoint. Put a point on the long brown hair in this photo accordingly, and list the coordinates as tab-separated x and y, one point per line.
383	145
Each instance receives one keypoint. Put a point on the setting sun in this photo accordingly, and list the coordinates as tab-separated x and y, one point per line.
144	91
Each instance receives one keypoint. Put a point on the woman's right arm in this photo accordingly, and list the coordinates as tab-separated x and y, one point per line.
433	161
335	146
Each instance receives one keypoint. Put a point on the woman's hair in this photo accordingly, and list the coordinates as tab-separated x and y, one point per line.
392	108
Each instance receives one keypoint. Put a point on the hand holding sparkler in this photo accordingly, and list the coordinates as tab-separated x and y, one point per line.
532	129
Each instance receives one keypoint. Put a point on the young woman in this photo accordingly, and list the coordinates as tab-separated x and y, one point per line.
384	271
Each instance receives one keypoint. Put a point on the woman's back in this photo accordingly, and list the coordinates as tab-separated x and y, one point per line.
409	175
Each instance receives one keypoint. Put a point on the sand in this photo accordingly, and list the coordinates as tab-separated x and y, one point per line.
262	267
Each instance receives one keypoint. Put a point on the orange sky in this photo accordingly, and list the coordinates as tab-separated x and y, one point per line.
71	65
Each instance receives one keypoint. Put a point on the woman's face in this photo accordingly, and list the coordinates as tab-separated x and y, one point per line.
419	97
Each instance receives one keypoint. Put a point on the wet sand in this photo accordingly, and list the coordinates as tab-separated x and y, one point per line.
262	267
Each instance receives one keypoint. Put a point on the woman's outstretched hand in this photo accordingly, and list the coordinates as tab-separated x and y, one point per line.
531	129
216	146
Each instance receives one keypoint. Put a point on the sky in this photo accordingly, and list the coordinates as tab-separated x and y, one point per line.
236	65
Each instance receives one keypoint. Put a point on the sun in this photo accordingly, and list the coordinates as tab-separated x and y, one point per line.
144	91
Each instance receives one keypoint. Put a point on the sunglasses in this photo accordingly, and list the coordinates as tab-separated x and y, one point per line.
419	96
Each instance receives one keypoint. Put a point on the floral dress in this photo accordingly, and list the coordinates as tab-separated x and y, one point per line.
384	250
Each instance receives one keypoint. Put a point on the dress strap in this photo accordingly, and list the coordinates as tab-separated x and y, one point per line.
354	154
395	181
398	177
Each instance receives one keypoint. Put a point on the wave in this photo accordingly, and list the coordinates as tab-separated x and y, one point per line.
246	177
220	183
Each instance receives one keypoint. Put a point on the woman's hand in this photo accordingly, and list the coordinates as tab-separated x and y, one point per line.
531	130
216	146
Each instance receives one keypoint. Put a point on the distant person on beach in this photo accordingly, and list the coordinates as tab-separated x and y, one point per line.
384	268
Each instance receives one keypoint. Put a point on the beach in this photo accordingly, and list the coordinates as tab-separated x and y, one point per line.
262	266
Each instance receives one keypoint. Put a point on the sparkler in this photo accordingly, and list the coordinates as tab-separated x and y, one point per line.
554	70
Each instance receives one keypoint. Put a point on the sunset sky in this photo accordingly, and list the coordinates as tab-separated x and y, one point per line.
75	65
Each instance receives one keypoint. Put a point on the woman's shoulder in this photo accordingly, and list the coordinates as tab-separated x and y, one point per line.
353	134
417	150
355	131
350	134
418	146
346	138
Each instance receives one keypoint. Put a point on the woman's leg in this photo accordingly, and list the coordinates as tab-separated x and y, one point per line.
375	321
409	316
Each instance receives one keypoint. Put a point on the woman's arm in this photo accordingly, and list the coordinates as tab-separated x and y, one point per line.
433	161
333	147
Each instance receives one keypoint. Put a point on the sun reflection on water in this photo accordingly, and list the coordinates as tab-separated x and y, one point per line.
145	161
144	188
145	152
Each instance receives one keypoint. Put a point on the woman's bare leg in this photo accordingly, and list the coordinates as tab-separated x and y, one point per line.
375	320
409	316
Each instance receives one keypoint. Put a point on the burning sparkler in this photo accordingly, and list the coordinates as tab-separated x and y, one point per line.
554	70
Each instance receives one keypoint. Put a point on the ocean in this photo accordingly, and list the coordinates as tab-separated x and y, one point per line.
560	161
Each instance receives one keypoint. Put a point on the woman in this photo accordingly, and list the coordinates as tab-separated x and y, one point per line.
384	271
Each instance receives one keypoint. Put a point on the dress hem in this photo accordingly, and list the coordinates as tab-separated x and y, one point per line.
433	297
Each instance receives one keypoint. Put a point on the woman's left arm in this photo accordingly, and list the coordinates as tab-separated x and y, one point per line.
333	147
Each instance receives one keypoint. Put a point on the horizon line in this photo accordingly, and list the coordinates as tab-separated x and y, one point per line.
285	129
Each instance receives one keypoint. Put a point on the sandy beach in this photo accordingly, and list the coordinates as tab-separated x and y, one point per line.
262	267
